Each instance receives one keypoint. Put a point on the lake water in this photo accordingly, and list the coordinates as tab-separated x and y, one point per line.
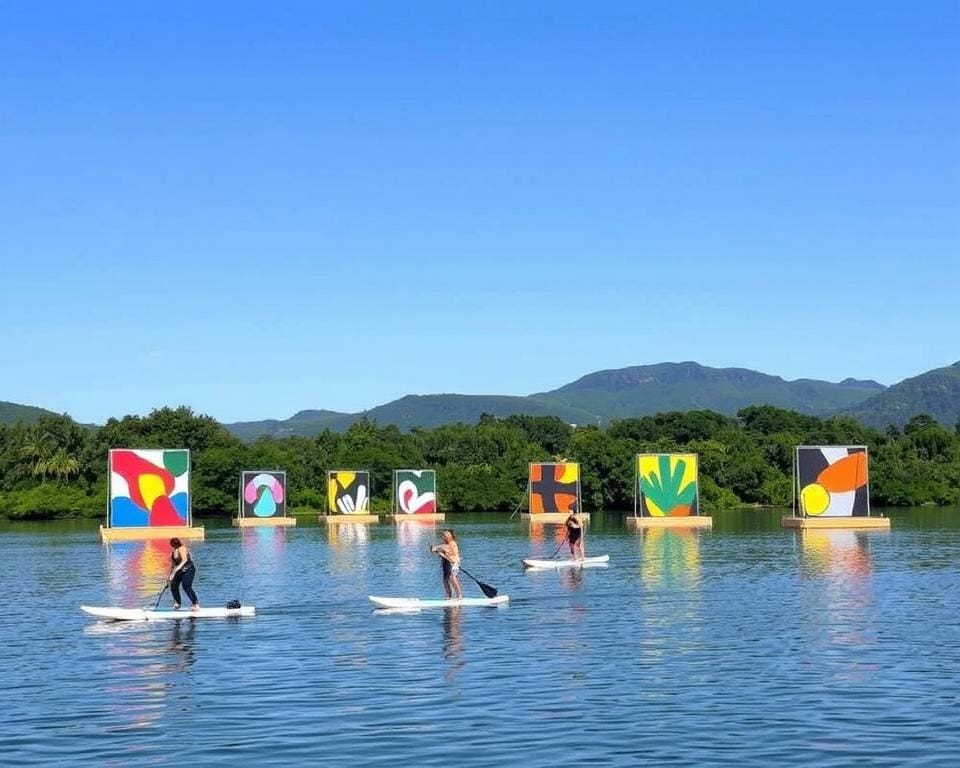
745	645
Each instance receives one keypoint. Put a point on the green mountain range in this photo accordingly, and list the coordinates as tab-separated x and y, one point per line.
595	399
646	389
635	391
936	393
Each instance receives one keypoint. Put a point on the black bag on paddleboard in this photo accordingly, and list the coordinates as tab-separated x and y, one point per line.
233	604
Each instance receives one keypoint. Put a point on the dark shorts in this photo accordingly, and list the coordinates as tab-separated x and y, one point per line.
449	569
574	534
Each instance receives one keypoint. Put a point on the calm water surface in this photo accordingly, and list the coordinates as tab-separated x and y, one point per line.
745	645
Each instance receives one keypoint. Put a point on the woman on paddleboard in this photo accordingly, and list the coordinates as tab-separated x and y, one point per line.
575	533
449	554
182	571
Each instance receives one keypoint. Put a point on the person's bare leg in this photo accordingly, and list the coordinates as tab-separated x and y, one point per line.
446	587
456	586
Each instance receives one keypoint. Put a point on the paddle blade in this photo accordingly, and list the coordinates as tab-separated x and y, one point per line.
487	589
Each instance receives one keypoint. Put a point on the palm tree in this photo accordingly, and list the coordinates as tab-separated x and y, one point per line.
38	449
62	465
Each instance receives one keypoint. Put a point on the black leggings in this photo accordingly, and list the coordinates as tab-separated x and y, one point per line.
185	577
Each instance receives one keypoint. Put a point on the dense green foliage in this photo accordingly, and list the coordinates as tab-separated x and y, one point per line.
57	468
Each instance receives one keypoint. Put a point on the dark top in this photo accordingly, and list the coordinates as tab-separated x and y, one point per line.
573	529
175	559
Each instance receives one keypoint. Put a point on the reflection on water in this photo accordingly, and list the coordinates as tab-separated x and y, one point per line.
453	638
264	545
669	555
782	649
838	594
414	538
838	552
138	567
341	535
547	536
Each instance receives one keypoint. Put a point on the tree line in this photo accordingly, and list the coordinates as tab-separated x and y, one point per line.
58	468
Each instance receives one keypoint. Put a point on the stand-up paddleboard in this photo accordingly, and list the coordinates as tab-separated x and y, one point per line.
140	614
415	603
587	562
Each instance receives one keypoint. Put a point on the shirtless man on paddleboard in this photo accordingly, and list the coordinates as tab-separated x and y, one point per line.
449	554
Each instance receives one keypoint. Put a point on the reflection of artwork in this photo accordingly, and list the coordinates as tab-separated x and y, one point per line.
149	488
842	552
667	485
416	491
554	488
348	493
670	555
832	481
263	494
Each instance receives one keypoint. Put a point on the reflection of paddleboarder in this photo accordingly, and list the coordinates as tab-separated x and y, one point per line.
575	533
449	553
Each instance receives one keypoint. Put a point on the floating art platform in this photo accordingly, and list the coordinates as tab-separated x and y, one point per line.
882	523
552	517
687	521
264	522
422	517
151	532
348	519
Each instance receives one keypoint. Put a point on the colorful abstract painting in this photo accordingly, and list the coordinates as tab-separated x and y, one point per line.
415	491
263	494
554	488
667	485
348	493
149	488
832	481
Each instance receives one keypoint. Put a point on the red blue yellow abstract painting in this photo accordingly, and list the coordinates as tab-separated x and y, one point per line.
149	488
667	485
833	481
554	488
348	492
263	494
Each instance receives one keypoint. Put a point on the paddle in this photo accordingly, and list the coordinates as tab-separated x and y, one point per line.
565	538
157	604
485	588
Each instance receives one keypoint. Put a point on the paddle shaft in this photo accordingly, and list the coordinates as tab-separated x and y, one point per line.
565	539
156	604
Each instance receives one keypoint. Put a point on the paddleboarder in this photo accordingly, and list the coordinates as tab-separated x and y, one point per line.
449	553
575	533
182	571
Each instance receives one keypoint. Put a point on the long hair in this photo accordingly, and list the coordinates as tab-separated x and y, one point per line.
450	531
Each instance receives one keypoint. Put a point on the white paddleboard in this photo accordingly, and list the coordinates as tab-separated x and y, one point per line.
140	614
415	603
571	563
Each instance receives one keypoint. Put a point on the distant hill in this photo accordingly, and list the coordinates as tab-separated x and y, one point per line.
647	389
936	393
306	423
596	398
11	413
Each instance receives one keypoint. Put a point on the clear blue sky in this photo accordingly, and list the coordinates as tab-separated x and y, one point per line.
254	208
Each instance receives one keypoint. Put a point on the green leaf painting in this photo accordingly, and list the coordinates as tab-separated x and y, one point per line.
665	487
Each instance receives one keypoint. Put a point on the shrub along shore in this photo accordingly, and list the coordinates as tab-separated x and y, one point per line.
57	468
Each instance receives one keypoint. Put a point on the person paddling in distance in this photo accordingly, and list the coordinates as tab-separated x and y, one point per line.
575	533
182	571
449	553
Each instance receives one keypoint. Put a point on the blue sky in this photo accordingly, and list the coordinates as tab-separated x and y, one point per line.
254	208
